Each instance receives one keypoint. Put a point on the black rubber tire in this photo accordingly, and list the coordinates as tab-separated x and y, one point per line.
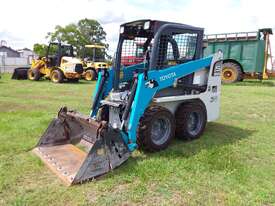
144	136
260	76
59	78
91	72
35	73
182	116
236	69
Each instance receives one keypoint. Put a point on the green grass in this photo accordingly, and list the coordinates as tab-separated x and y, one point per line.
232	164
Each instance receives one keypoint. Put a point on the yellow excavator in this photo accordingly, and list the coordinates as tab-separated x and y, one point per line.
93	61
58	64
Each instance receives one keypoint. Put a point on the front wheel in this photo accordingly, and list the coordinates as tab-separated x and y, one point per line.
156	129
57	76
191	119
90	75
33	74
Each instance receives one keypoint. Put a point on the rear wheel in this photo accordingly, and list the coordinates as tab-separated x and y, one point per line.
231	73
156	129
90	75
33	74
57	76
190	120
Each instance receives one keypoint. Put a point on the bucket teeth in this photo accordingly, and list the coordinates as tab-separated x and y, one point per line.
104	148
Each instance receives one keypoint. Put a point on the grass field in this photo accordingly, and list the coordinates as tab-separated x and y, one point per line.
232	164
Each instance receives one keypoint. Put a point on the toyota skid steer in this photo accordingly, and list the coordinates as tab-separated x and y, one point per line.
172	93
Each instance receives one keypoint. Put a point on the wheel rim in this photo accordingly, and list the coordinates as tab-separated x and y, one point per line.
160	130
88	76
194	123
31	75
55	77
229	74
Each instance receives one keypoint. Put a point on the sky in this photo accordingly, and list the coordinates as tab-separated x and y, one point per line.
25	22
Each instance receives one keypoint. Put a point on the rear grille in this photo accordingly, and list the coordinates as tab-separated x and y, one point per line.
79	68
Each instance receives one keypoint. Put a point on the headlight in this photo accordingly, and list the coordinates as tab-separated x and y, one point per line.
146	25
122	29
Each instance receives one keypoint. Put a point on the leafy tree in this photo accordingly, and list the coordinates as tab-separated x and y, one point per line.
40	49
86	31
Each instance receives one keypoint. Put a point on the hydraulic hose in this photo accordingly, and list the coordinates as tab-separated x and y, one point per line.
130	101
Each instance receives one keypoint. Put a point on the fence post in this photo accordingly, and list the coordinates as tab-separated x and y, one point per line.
3	63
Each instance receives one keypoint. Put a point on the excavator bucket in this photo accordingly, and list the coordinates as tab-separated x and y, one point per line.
78	148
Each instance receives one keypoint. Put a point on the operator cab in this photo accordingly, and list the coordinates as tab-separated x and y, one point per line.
95	53
56	51
156	45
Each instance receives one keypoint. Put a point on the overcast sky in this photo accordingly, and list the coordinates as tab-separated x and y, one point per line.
25	22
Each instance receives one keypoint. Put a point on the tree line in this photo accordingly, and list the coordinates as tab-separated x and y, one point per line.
85	31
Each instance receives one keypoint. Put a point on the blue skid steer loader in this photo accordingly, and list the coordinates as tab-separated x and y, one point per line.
172	93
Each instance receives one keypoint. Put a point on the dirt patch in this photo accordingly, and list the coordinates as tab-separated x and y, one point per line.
92	197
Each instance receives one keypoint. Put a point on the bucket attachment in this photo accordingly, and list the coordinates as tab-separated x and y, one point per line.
20	73
78	148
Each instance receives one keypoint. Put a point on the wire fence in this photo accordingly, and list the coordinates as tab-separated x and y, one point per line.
8	64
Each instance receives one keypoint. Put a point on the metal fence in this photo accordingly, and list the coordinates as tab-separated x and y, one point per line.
8	64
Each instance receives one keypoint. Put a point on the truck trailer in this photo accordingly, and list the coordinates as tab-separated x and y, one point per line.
245	54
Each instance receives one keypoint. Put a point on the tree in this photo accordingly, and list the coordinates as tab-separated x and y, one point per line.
86	31
40	49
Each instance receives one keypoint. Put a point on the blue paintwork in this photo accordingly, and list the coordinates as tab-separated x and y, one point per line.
144	94
128	73
131	146
106	89
93	112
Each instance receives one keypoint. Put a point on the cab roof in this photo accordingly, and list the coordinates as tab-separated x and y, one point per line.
61	44
95	46
154	25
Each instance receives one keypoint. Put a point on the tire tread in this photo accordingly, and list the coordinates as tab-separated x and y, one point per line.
181	119
143	140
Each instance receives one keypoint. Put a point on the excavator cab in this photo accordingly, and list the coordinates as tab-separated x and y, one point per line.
172	92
